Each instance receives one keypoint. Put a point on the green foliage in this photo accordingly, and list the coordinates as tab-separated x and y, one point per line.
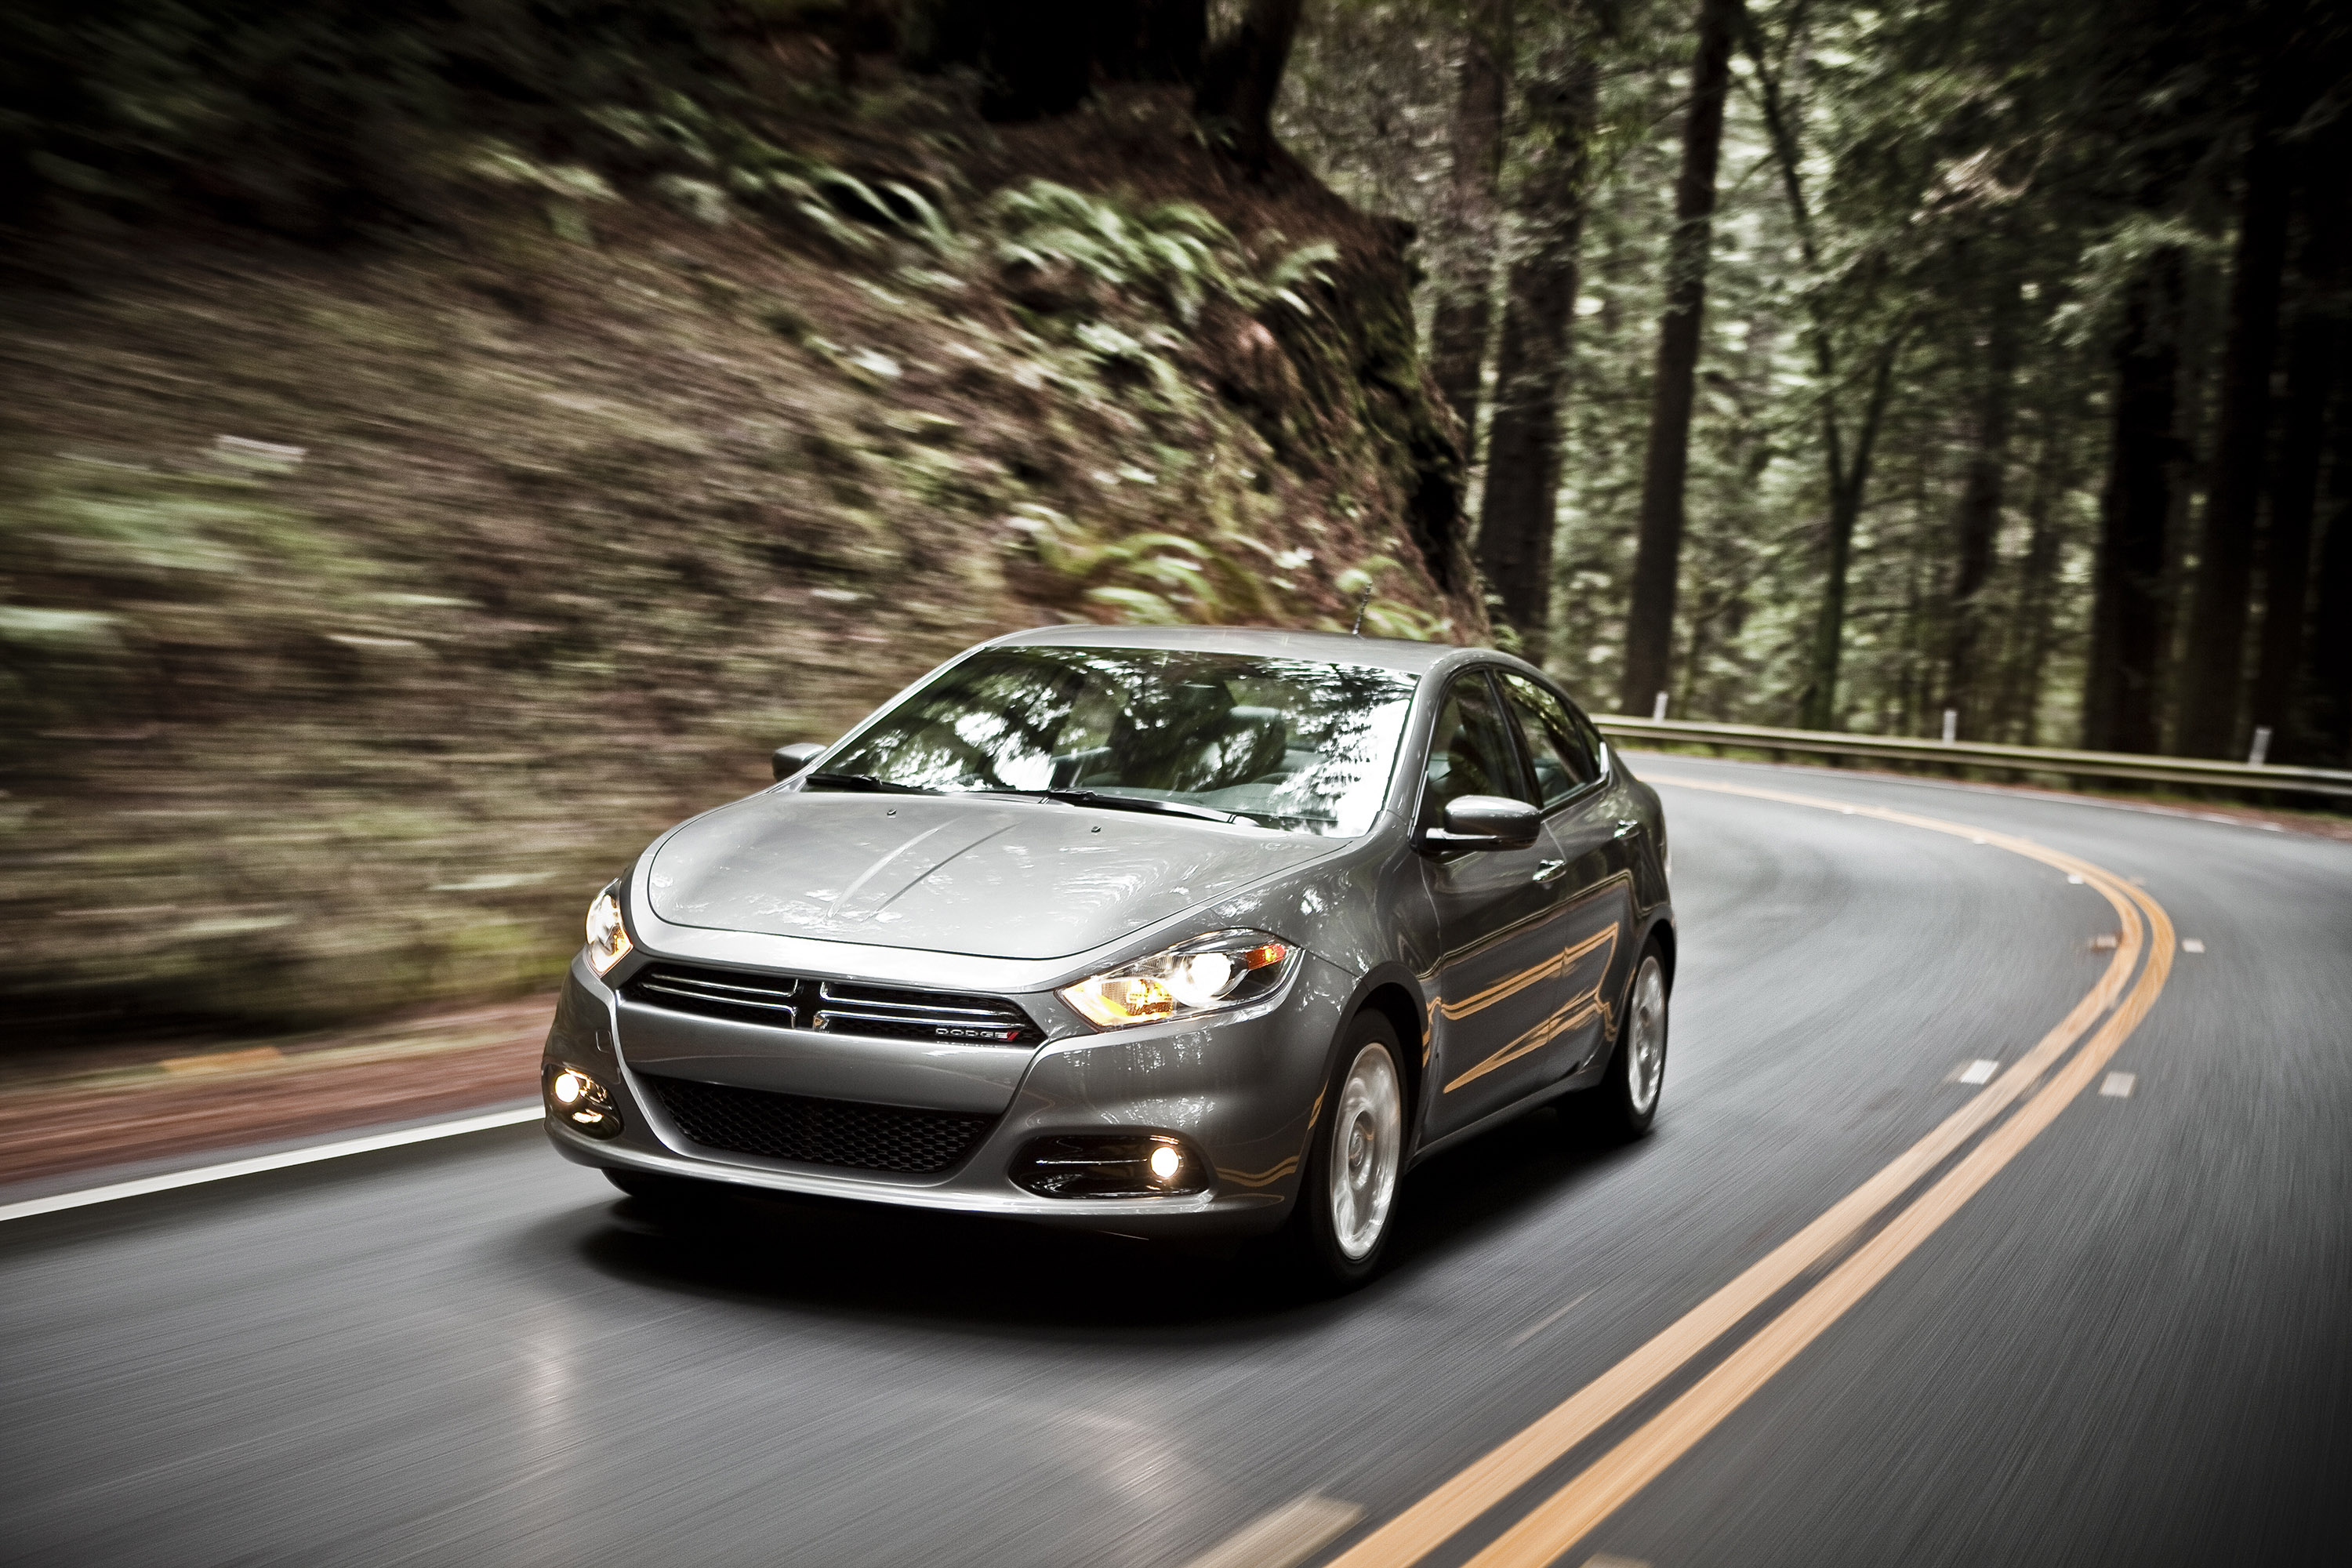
1174	250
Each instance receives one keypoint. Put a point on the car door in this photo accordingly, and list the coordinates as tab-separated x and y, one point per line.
1497	913
1595	923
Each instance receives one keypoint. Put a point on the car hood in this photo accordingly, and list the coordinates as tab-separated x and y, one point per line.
999	877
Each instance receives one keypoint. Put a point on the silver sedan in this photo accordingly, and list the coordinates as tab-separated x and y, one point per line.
1158	931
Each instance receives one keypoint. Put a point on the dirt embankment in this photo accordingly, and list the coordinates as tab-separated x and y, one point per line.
364	609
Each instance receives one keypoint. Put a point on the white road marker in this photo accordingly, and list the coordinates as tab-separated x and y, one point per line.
2105	942
1977	1071
1285	1538
2118	1085
283	1160
2192	945
1604	1560
1546	1320
2073	880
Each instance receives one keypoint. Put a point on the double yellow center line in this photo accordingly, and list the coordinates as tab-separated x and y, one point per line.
1560	1519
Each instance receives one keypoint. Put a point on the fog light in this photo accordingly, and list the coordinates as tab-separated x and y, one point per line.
581	1104
1110	1165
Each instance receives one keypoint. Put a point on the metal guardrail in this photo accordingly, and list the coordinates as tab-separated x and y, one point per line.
1976	754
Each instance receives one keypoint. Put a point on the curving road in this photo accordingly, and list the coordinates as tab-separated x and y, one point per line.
2130	1342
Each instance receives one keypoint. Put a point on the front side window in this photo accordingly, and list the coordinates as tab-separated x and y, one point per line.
1295	744
1470	752
1564	759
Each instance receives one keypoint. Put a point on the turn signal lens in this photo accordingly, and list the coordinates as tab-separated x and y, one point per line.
1229	969
608	939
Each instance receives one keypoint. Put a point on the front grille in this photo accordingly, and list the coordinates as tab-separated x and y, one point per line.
786	1002
717	993
819	1132
921	1015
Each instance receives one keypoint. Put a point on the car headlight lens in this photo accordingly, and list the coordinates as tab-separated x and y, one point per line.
608	939
1210	974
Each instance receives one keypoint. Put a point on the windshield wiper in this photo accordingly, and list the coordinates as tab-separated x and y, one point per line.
1139	803
865	782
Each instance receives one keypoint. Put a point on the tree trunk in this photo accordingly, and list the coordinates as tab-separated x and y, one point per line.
1978	521
2122	680
1657	561
1847	486
2313	369
1242	75
2328	659
1466	292
2213	666
1150	40
1521	502
2026	650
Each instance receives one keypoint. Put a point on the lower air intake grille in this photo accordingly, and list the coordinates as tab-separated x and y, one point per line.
820	1132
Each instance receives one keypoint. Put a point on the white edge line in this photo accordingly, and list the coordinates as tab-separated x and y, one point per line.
281	1160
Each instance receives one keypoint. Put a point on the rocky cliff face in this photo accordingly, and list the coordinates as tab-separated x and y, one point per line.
364	609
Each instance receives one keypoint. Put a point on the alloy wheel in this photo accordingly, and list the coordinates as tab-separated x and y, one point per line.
1645	1039
1367	1145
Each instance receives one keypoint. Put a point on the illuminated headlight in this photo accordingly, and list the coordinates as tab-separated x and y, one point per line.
1230	969
608	939
579	1102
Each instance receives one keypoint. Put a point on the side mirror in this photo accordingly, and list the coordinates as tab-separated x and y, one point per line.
789	760
1487	822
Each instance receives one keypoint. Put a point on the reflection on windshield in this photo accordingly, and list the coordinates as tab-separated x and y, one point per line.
1290	743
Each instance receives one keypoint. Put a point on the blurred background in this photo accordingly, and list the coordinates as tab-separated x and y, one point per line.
446	444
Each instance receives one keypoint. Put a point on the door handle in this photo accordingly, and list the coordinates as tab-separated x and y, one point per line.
1551	870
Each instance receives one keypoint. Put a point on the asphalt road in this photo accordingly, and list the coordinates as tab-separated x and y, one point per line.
2133	1345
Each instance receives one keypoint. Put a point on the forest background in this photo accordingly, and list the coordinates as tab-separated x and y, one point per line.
446	444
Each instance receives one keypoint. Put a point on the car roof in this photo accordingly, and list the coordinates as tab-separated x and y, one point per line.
1337	647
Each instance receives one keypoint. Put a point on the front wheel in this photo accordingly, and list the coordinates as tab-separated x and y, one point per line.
1624	1103
1350	1191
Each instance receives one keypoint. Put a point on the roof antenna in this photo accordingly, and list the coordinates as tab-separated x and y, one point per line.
1361	606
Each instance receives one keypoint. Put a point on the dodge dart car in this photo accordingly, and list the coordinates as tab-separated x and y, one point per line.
1160	930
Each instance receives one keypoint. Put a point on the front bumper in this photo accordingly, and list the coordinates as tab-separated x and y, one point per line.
1240	1087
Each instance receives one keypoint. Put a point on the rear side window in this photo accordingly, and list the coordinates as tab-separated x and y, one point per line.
1560	746
1470	751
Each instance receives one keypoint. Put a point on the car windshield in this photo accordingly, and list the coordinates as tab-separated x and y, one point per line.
1289	743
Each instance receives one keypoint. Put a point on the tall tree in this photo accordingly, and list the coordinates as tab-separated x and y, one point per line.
2018	711
2122	709
1666	466
1465	310
2328	658
1521	507
1977	520
2213	664
1846	464
1241	75
2314	366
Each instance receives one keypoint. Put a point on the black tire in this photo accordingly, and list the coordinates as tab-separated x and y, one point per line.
1623	1105
1329	1254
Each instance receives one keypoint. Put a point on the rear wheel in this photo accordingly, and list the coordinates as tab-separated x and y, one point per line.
1349	1195
1624	1103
